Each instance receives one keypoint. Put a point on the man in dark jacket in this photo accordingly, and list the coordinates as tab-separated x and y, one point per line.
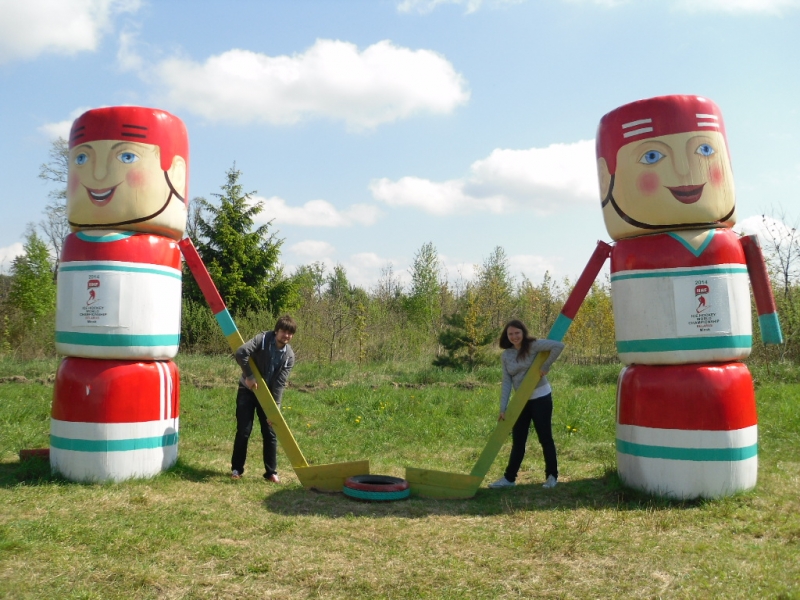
274	358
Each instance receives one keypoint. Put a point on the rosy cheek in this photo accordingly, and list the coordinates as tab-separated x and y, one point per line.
648	183
137	178
73	184
716	175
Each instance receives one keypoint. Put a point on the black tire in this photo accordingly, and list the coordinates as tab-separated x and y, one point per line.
376	488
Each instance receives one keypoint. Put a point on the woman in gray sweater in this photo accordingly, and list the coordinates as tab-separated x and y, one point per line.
520	350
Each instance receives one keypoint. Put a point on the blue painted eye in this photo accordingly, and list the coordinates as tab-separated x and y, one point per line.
651	157
705	150
127	157
81	159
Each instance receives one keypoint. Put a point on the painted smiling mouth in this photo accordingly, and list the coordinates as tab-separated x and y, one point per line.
101	197
688	194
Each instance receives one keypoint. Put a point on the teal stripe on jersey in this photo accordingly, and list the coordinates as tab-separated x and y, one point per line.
682	344
693	454
99	239
689	247
174	273
682	273
117	339
225	321
147	443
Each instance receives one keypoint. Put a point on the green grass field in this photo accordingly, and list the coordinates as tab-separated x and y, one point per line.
194	533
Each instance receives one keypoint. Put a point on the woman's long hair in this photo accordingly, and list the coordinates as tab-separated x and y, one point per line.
527	339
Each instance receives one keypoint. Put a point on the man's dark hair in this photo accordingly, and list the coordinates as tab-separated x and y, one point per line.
286	323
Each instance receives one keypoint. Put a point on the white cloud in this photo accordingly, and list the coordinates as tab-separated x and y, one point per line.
538	179
774	7
602	3
426	6
128	58
531	266
736	7
767	228
313	250
315	213
363	269
61	128
8	254
779	241
458	272
769	7
332	79
30	28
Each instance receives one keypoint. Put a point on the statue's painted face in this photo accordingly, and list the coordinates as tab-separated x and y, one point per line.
663	165
120	184
672	182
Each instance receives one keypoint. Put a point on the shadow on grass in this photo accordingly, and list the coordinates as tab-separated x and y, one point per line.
181	470
36	471
600	493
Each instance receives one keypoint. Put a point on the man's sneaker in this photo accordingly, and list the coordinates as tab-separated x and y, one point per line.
502	483
272	478
235	474
550	483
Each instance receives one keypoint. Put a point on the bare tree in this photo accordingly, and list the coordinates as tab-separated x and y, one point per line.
55	226
781	246
195	216
389	288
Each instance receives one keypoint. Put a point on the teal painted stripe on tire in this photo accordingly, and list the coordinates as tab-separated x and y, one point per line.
175	274
693	454
161	441
116	339
362	495
683	344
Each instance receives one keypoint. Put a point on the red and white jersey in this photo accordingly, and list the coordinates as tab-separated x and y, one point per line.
114	419
674	303
687	431
119	296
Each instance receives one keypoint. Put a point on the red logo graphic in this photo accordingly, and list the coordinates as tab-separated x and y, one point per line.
701	291
92	283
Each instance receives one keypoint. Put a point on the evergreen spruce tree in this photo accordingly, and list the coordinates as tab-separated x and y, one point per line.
33	291
467	337
243	262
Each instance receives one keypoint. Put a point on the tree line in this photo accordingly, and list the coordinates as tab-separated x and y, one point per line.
449	324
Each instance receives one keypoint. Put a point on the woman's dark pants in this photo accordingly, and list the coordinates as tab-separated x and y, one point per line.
247	406
540	412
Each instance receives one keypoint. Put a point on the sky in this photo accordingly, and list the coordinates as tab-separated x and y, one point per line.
367	128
